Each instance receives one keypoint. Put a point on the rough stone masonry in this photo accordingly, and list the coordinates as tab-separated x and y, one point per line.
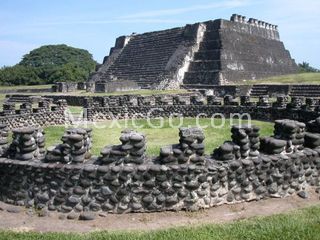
66	178
208	53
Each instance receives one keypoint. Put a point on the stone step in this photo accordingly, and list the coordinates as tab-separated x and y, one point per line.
133	74
145	56
134	68
316	95
211	35
306	91
305	88
207	55
204	65
201	77
210	45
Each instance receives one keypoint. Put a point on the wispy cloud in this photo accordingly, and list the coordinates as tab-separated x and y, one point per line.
95	22
194	8
152	16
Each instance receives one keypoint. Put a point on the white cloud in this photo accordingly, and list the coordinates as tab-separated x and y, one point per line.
94	22
152	16
176	11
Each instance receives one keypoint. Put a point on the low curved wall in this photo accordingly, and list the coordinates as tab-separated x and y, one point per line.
257	113
123	179
45	114
153	187
47	118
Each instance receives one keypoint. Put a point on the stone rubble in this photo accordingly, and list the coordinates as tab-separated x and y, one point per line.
131	150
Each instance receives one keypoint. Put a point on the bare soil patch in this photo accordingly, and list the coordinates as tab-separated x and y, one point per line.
21	219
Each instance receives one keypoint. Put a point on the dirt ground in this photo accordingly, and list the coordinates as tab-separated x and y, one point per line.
22	219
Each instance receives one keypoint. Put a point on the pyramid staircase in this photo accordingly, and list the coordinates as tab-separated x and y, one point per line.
204	68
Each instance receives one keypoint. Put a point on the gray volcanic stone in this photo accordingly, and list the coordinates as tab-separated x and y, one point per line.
227	151
43	213
75	147
192	181
189	150
87	216
303	194
13	209
132	150
271	145
72	215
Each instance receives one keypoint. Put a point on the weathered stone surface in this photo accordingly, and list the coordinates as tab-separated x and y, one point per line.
189	150
223	51
192	180
303	194
87	216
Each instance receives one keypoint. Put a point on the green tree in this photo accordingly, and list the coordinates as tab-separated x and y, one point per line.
18	75
305	67
49	64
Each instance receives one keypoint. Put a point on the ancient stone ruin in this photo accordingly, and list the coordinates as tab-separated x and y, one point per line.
44	114
67	179
191	105
208	53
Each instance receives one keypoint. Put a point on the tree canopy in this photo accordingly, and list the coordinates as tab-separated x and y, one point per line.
305	67
49	64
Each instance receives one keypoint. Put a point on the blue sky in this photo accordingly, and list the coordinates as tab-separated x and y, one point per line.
94	24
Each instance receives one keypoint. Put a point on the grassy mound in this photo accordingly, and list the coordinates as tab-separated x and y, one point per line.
300	78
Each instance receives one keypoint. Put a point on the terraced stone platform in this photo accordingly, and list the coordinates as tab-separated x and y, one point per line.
213	52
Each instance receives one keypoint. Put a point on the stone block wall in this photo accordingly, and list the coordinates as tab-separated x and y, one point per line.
68	86
44	115
116	86
148	59
123	179
209	53
299	108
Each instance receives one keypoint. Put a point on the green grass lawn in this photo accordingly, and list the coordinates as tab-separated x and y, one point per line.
300	224
25	87
108	132
3	95
143	92
300	78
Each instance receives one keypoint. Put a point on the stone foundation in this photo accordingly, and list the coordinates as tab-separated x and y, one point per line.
44	115
132	106
123	179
